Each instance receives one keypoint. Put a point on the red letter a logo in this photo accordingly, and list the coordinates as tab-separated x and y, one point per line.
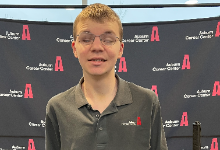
31	145
216	89
214	145
24	34
184	120
154	88
217	30
139	121
155	34
186	63
59	64
124	67
28	94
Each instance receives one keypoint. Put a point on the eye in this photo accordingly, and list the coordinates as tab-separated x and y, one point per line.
108	40
86	40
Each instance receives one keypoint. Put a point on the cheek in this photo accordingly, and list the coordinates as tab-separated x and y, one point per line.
112	54
115	52
80	51
80	55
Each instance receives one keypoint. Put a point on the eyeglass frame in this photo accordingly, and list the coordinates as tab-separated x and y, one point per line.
99	38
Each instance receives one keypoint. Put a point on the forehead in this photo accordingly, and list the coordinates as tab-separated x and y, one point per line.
98	28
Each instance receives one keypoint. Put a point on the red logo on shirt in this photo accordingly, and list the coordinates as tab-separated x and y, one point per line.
139	121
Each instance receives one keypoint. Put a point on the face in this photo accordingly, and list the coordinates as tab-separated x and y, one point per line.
97	58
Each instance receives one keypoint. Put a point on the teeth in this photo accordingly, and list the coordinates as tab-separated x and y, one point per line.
98	60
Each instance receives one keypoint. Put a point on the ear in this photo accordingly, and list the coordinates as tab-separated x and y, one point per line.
121	50
74	49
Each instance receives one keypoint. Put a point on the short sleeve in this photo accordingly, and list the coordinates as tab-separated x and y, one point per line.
158	140
52	134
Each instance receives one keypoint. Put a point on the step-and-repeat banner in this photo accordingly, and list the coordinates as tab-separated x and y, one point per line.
178	60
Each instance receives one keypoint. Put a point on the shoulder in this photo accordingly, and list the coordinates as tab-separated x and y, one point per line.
61	97
141	93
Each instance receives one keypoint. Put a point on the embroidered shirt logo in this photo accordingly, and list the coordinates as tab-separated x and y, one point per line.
132	123
139	121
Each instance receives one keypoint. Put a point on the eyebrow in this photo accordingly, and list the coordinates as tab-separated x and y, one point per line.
108	32
86	31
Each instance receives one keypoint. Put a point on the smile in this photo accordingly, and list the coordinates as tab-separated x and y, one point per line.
98	60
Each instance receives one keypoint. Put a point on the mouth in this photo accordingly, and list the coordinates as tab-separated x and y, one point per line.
98	60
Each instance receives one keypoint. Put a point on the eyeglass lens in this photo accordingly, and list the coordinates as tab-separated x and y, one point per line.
88	38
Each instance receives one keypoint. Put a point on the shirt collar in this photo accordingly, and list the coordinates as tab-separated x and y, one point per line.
122	97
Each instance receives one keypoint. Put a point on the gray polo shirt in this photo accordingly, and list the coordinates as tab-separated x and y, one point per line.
132	121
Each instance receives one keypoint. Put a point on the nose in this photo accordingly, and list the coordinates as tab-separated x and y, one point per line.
97	45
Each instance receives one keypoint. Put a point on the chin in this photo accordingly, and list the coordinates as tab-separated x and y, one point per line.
99	73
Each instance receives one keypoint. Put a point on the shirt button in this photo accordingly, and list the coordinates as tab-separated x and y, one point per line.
100	128
89	106
97	115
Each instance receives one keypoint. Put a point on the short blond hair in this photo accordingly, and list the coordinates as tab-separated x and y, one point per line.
99	13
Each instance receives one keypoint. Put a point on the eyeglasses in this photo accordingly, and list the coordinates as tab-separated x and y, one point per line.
87	38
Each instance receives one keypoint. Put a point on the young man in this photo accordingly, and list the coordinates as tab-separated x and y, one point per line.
102	112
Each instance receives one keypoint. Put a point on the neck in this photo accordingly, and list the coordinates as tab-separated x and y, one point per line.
97	89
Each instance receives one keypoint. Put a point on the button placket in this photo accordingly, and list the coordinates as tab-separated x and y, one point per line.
97	115
99	125
101	135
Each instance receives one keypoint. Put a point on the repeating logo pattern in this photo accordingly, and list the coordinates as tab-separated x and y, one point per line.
48	67
145	38
150	34
175	66
205	34
177	123
10	35
19	94
206	93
